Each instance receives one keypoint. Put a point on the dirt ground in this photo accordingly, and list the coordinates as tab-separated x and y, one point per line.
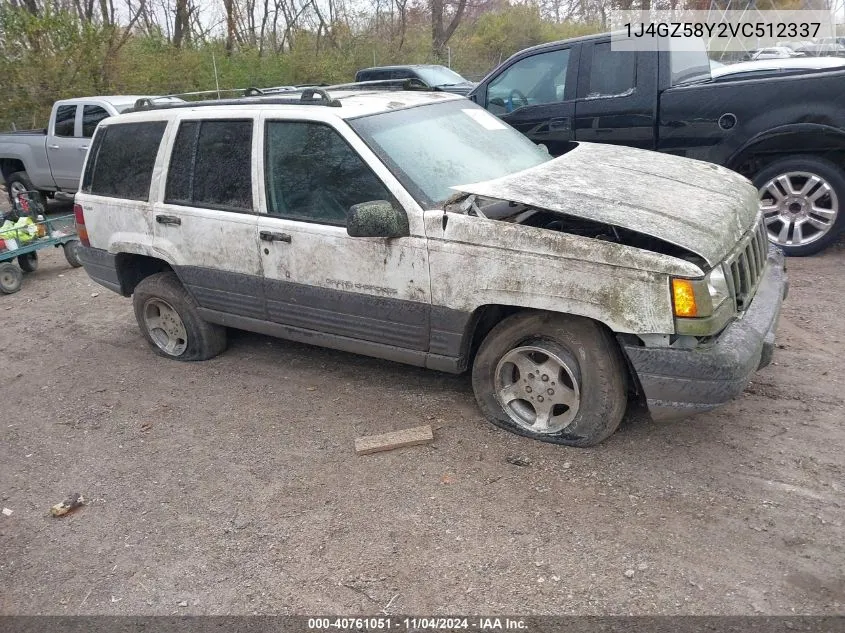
232	487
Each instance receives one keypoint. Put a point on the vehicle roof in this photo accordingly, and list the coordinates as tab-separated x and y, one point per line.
568	40
354	103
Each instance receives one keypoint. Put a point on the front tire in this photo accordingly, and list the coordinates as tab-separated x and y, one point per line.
553	378
169	320
802	199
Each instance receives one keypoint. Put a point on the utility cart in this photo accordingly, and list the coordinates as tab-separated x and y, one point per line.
24	231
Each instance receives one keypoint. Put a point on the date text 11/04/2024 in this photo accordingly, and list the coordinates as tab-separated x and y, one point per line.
722	30
416	624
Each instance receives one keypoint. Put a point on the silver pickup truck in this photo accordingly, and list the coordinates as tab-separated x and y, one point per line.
50	160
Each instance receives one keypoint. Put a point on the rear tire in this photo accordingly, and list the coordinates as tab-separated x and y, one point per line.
28	262
71	249
568	367
803	203
168	318
11	278
16	184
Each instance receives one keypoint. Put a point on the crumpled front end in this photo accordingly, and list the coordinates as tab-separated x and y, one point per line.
677	383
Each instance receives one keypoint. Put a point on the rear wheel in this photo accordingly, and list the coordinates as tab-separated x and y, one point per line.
801	198
554	378
168	318
71	249
28	262
11	278
17	183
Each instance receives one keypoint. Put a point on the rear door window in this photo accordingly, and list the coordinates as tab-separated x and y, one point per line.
612	73
91	117
121	161
211	165
65	119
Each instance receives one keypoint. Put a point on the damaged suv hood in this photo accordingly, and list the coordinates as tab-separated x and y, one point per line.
695	205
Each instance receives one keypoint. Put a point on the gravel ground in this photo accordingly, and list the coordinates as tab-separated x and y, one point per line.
232	487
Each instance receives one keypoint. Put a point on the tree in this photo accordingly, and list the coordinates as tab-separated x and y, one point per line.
441	32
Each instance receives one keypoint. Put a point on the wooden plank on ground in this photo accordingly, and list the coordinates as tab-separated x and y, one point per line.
395	439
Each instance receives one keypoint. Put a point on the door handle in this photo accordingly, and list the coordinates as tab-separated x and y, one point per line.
270	236
168	219
560	124
84	148
53	146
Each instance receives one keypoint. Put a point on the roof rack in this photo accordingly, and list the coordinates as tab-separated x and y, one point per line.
308	95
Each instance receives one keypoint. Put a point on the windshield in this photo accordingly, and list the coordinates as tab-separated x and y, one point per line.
439	76
434	147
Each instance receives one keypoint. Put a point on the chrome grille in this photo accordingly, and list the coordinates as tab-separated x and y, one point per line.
746	266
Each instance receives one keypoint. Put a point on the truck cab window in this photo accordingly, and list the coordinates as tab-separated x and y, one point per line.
531	81
612	73
65	118
313	175
91	117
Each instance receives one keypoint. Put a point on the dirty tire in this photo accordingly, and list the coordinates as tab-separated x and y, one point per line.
204	340
823	169
591	356
19	182
71	250
28	262
11	278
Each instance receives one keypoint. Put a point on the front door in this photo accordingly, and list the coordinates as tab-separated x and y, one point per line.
536	95
206	223
362	294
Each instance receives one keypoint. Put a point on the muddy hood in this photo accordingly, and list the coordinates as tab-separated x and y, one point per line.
695	205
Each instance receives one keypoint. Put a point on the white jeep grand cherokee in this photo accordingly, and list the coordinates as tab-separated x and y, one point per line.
418	228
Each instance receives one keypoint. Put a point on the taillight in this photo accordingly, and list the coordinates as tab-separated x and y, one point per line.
81	231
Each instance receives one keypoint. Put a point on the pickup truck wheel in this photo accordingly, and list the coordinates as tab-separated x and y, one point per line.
554	378
11	278
28	262
18	183
168	318
802	199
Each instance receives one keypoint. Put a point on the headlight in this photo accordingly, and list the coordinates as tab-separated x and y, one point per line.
717	285
697	298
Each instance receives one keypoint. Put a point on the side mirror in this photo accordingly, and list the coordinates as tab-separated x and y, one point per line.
377	218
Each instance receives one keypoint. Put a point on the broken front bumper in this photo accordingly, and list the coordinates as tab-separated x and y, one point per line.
680	382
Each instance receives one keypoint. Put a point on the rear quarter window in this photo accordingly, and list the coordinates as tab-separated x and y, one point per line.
121	160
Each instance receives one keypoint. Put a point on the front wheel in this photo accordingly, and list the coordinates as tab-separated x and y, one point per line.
18	183
169	320
801	198
554	378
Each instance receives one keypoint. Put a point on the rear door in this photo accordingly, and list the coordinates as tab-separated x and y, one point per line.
204	218
362	294
66	148
617	96
536	95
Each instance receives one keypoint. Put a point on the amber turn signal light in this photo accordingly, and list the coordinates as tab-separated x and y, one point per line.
683	298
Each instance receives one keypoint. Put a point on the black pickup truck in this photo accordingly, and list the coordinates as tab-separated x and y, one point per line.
786	132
